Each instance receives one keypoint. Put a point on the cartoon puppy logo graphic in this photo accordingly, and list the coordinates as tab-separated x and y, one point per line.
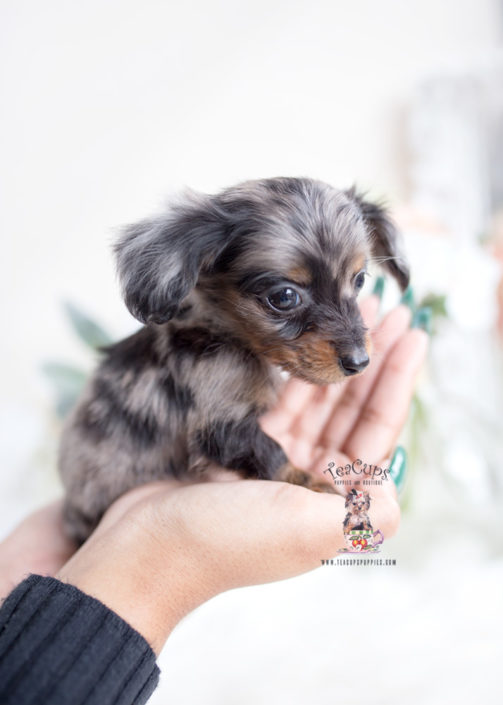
358	530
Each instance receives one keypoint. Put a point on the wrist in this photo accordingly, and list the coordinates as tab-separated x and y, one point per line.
146	577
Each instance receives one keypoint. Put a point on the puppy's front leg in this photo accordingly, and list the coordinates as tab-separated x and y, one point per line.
238	445
242	445
289	473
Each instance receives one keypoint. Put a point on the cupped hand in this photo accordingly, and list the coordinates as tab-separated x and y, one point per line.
164	548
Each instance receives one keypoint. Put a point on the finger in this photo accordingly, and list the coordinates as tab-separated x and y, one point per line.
369	308
323	468
373	478
309	425
385	411
253	531
321	523
345	415
293	398
388	482
342	474
37	545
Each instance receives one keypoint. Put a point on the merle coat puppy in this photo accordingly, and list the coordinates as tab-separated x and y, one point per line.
231	288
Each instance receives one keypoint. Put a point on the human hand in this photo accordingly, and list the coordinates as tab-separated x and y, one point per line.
37	545
163	549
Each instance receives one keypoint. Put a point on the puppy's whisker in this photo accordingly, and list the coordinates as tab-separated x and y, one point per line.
380	260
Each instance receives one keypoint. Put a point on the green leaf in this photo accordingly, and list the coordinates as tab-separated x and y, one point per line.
67	382
90	332
437	303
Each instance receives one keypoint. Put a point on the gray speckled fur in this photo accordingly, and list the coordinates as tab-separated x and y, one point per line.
188	388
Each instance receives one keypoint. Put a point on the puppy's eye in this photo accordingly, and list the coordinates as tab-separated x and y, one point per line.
284	299
359	281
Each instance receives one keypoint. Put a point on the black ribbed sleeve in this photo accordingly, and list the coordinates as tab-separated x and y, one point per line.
59	646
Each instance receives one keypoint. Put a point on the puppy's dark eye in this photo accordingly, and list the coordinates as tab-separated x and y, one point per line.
284	299
359	280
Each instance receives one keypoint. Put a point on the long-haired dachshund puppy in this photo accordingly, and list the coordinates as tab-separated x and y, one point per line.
231	288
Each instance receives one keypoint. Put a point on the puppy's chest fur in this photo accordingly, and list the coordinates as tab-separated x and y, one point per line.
164	402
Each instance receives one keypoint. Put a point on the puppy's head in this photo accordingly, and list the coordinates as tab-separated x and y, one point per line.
279	262
357	501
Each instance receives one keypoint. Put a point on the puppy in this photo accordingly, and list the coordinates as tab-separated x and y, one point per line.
357	504
231	288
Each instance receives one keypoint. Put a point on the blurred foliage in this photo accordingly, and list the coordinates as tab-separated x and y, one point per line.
68	381
89	332
417	425
438	305
418	419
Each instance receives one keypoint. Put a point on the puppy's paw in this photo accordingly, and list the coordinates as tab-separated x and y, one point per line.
295	476
320	486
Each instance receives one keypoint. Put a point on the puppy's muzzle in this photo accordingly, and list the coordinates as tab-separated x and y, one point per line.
354	362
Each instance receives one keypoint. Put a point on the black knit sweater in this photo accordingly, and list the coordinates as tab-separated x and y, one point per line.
59	646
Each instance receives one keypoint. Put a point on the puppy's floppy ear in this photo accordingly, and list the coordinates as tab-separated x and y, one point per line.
385	238
159	259
350	496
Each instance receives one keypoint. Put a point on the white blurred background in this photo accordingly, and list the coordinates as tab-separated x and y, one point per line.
107	108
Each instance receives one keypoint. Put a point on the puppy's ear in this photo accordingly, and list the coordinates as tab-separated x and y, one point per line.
159	259
349	497
384	237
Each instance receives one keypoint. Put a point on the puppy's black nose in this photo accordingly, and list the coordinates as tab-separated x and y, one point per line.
355	362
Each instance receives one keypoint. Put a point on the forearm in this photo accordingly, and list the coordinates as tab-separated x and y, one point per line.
147	572
59	645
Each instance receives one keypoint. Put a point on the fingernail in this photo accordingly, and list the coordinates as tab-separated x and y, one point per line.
408	298
398	467
378	289
422	319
